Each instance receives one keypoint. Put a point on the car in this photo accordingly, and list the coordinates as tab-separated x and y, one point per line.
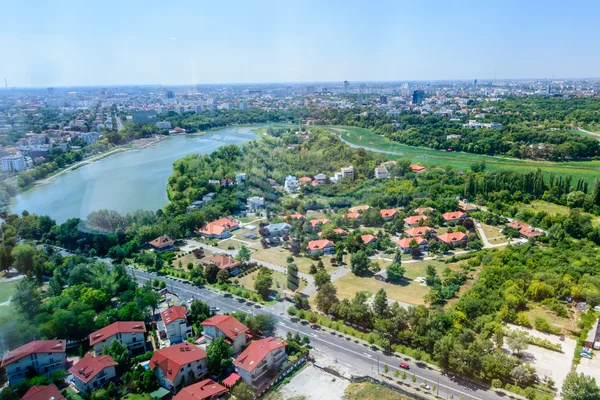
214	309
189	301
404	365
561	338
425	386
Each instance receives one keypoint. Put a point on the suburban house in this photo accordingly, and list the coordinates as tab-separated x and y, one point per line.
453	239
381	173
423	231
305	180
91	373
348	172
214	182
203	390
317	221
404	244
241	177
162	243
454	216
341	232
43	393
592	340
219	229
130	333
255	203
516	225
174	325
368	239
423	210
356	209
321	246
260	357
389	214
527	232
320	179
233	331
280	229
172	365
416	168
291	184
352	215
42	356
381	276
223	261
226	181
297	217
467	207
409	222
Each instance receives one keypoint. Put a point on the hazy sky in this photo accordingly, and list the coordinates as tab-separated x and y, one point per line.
61	43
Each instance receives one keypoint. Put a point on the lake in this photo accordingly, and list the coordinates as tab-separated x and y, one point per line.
134	179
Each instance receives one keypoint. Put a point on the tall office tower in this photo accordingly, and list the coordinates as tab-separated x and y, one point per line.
346	87
418	97
359	100
383	99
475	82
170	94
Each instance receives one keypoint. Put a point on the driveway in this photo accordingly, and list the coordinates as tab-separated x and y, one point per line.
313	383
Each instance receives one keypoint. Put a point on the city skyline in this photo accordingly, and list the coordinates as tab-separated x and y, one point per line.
115	44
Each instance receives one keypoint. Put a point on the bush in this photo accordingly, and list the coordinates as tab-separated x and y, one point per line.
543	326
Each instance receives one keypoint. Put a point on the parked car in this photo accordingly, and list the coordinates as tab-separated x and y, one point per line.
561	337
404	365
425	386
214	309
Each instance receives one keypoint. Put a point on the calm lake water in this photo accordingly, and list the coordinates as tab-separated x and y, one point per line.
135	179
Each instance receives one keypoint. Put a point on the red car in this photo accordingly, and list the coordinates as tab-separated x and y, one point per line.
404	365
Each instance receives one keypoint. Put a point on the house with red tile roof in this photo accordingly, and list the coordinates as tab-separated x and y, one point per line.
172	364
527	232
404	245
162	243
203	390
173	325
130	333
341	232
353	215
414	220
297	216
43	393
305	180
41	356
467	207
423	231
454	216
453	239
356	209
321	246
389	214
258	359
91	373
417	168
368	238
223	261
219	229
233	331
423	210
516	225
318	221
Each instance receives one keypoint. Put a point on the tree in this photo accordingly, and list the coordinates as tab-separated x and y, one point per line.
243	255
321	278
326	297
159	263
262	324
210	273
580	387
263	282
199	311
223	276
517	340
359	263
27	298
313	269
380	305
293	280
24	256
241	391
219	355
396	272
119	353
6	257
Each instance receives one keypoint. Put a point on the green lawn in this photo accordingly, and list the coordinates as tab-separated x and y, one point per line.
142	396
6	290
279	281
278	256
588	170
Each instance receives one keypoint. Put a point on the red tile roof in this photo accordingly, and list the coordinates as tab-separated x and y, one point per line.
368	238
416	168
529	232
222	261
89	366
37	346
297	216
173	313
218	227
466	206
323	221
452	237
356	209
162	241
352	215
43	393
305	179
415	219
339	231
405	243
517	225
116	327
454	216
319	244
203	390
422	210
388	213
256	352
231	327
231	379
419	231
171	359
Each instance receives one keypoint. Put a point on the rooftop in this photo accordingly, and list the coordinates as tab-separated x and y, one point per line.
89	366
116	327
256	352
231	327
34	347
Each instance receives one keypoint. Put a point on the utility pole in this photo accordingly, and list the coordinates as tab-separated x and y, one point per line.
377	363
438	387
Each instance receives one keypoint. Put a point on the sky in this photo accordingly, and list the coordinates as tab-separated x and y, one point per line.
179	42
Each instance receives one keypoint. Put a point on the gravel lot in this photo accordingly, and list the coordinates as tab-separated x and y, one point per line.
315	384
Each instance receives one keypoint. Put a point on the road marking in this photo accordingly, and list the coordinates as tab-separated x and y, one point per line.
368	355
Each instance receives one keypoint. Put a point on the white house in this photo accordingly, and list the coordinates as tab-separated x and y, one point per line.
174	326
173	365
260	357
321	246
130	333
233	331
291	184
42	356
91	373
381	173
241	177
256	203
404	244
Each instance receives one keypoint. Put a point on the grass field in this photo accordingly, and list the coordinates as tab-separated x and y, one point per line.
278	256
566	325
279	281
370	391
588	170
551	208
7	289
493	235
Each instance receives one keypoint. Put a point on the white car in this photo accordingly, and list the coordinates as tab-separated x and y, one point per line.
425	386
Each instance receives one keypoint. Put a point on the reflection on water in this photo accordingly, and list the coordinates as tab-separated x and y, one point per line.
123	182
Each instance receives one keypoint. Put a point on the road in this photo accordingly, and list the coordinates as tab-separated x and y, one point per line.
119	123
349	352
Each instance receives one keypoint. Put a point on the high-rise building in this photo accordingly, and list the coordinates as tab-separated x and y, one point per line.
383	99
359	99
143	117
170	94
13	163
475	82
548	89
243	105
346	87
418	97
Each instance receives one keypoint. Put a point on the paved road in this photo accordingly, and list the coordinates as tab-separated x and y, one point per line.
357	357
